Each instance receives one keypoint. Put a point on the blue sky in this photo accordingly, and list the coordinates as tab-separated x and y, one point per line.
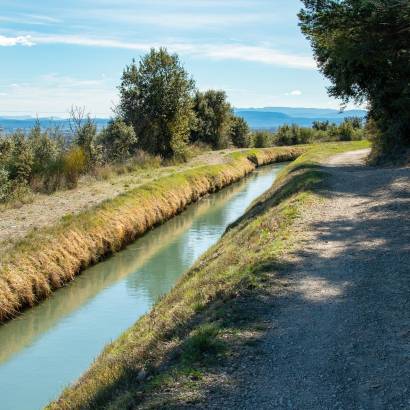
55	54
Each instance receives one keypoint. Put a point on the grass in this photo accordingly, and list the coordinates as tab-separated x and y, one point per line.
215	303
48	258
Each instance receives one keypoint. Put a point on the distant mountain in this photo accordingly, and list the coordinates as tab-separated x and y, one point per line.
257	118
9	124
274	117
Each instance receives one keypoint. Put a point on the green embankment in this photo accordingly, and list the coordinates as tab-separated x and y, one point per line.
48	258
176	341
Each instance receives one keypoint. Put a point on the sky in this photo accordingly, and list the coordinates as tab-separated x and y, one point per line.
55	54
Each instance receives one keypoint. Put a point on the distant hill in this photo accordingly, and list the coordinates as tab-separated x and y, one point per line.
257	118
9	124
273	117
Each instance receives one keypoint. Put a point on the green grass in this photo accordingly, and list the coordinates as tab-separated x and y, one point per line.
212	310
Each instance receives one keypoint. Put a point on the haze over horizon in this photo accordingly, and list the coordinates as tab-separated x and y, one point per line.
56	56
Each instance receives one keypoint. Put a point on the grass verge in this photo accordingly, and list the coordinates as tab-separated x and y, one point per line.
48	258
192	327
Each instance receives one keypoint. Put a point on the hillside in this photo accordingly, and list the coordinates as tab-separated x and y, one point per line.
273	117
258	118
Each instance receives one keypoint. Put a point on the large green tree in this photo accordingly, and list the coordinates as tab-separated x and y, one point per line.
156	99
213	119
363	47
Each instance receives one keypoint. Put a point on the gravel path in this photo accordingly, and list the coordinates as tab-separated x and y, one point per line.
340	329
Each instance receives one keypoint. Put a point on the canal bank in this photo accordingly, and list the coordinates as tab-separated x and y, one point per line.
49	258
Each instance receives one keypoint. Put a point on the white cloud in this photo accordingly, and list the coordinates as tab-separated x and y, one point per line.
239	52
14	41
295	93
181	20
259	54
52	93
30	19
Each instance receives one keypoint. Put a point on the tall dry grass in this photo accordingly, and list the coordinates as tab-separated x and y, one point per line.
47	259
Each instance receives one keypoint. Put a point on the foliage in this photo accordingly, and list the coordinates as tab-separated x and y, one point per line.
213	119
363	47
5	185
118	140
45	149
156	99
293	135
262	139
240	133
74	164
21	159
84	132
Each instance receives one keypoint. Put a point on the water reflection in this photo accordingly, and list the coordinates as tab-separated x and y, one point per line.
52	344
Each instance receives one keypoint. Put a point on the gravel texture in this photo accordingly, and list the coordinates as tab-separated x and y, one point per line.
339	335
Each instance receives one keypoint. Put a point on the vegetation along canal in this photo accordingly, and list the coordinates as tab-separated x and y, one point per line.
50	345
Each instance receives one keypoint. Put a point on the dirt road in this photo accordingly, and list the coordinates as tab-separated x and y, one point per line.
340	329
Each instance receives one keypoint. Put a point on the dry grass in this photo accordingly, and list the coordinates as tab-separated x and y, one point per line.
49	258
191	321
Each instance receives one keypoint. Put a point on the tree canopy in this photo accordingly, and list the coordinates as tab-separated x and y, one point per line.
363	47
156	99
213	119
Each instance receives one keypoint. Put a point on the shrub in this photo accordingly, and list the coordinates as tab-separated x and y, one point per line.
240	134
45	150
5	185
118	140
84	131
21	159
262	139
74	163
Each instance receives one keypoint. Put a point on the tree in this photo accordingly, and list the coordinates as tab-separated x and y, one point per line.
262	139
320	125
240	132
363	47
118	139
84	131
156	99
213	119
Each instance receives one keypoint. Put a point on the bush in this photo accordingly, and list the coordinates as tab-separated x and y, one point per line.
84	132
21	159
118	140
45	150
74	163
240	134
262	139
5	185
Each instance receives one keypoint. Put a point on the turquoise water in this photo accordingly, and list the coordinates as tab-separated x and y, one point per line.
51	345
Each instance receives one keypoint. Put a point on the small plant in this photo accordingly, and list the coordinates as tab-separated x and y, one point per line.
262	139
118	140
74	164
203	341
5	185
